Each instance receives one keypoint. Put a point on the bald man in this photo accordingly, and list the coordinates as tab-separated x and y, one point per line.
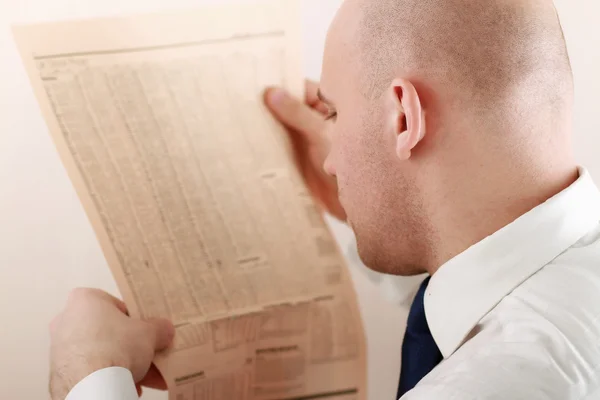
444	127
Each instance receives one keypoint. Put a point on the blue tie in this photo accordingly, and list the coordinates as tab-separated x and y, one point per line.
420	354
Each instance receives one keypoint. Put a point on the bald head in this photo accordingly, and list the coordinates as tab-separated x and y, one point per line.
447	111
482	51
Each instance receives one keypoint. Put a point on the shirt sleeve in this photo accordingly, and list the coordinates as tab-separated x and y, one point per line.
113	383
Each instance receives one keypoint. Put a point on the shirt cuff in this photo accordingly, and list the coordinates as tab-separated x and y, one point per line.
114	383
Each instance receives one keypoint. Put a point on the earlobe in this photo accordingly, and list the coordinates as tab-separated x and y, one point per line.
408	116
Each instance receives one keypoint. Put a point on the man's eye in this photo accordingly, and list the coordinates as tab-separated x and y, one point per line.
331	116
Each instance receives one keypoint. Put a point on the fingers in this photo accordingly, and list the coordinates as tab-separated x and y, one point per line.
294	114
310	92
163	332
311	98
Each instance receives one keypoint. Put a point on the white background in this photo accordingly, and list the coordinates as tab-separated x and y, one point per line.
47	245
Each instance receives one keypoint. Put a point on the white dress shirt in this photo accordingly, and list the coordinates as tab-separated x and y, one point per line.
516	316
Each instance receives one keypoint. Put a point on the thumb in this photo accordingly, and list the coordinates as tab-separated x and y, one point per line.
163	332
294	114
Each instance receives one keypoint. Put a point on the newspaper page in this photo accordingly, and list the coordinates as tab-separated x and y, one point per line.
191	189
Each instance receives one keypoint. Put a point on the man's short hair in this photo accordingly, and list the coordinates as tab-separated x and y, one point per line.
487	50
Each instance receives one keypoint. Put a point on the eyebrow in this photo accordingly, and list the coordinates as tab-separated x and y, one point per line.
323	98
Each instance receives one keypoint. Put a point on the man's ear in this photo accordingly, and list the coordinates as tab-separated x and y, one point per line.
407	117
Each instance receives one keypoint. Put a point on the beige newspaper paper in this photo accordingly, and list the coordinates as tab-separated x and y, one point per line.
191	189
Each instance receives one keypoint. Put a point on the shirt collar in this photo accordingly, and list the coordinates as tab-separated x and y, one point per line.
470	285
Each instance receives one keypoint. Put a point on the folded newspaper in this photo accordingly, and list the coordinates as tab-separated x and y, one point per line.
192	191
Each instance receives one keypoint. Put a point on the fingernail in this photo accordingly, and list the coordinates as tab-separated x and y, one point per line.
277	96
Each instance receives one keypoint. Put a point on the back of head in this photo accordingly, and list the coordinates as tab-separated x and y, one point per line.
482	52
445	108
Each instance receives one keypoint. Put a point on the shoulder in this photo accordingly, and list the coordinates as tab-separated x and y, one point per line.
540	342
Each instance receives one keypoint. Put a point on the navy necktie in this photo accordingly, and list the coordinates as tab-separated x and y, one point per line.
420	354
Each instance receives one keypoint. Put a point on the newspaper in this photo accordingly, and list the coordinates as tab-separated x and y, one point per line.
192	192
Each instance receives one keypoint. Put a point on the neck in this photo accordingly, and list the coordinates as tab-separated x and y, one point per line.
476	210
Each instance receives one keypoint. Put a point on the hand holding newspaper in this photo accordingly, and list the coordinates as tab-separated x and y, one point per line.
193	194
